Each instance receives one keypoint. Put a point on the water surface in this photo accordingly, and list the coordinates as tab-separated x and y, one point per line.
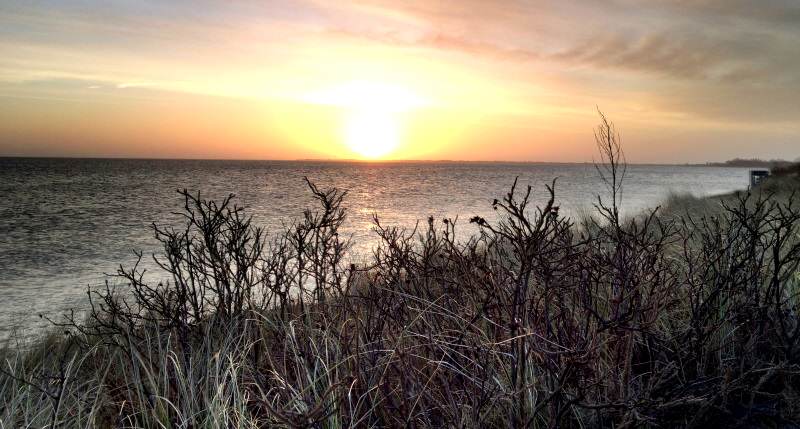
66	222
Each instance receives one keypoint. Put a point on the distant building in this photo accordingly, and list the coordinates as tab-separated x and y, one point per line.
758	176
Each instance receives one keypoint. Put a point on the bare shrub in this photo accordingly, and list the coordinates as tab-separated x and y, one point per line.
688	320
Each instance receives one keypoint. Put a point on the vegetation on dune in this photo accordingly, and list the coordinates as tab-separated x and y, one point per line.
782	185
686	319
787	171
753	163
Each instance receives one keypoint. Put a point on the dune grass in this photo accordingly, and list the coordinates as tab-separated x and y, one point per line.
687	318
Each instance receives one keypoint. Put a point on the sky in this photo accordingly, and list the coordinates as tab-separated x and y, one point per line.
683	81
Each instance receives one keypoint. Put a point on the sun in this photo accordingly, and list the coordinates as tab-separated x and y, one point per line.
372	126
371	134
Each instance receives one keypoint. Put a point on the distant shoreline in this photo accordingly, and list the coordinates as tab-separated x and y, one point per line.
751	163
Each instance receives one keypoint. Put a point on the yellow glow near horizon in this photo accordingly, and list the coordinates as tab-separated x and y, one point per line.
371	125
368	95
372	134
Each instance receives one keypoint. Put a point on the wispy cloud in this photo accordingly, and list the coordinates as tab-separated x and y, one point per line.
690	57
438	41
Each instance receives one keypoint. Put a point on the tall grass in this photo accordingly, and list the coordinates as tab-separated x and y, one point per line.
685	320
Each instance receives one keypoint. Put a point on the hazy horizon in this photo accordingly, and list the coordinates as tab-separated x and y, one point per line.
685	82
379	161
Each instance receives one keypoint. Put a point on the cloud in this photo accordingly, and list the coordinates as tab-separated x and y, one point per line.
680	56
772	12
701	41
438	41
726	41
125	85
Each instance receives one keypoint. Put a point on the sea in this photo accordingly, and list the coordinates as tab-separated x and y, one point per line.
67	223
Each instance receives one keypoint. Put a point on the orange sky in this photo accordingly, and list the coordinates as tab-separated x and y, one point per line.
467	80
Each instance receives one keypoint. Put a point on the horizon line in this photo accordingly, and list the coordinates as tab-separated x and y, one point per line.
352	160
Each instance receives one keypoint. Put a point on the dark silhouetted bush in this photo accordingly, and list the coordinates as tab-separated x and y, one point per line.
688	320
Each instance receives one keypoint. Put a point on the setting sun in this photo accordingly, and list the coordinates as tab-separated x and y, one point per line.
371	134
371	121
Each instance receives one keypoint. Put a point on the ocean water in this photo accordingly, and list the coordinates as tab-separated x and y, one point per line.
66	222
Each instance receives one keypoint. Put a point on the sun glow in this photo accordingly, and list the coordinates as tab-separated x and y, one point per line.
372	125
372	134
368	95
